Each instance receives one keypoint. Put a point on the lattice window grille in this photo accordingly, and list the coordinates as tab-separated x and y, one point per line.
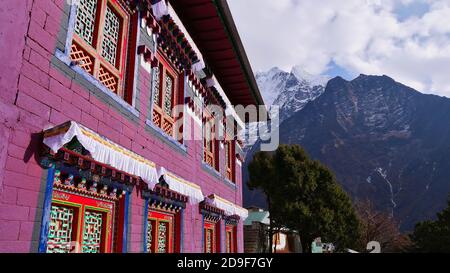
111	32
85	20
156	85
228	242
108	79
82	58
92	234
168	95
156	118
208	241
60	230
162	237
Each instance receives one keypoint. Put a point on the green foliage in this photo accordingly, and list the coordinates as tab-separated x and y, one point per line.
433	236
303	195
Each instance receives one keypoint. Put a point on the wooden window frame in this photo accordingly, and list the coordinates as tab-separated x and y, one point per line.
230	162
211	147
100	67
80	204
171	220
215	230
159	117
230	238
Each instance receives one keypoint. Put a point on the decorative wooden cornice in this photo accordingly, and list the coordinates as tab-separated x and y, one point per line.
232	219
175	44
81	186
165	198
210	212
84	162
170	194
149	57
152	23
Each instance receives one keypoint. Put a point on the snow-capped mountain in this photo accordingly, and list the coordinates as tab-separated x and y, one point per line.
290	91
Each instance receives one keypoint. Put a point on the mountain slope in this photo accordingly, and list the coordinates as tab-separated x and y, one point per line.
383	140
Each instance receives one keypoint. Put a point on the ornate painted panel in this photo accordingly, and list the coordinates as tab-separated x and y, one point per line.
60	229
162	237
210	245
92	232
160	232
81	217
209	241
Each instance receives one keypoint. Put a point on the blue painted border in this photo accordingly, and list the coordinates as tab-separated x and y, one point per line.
125	223
181	230
46	211
145	224
203	233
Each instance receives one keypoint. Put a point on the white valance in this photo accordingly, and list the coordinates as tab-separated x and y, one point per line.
160	9
227	206
198	66
102	150
193	191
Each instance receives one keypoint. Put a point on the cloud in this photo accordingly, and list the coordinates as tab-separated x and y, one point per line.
408	40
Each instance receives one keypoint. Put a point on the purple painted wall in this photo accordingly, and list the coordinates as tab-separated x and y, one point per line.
35	95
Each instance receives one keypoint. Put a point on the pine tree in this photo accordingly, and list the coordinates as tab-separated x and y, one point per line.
433	236
303	195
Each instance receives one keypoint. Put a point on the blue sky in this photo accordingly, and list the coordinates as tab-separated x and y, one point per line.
408	10
408	40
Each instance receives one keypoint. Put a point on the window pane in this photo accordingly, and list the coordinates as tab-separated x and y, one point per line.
60	229
92	234
162	237
229	242
85	21
227	154
208	241
111	32
150	228
156	85
168	95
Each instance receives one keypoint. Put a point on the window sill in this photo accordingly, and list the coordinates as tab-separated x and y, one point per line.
230	183
66	60
156	131
211	170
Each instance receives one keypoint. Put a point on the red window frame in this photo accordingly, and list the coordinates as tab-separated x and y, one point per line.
212	228
160	118
80	204
89	56
230	160
156	217
210	147
230	239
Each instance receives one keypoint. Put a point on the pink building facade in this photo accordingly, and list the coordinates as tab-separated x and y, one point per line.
112	71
